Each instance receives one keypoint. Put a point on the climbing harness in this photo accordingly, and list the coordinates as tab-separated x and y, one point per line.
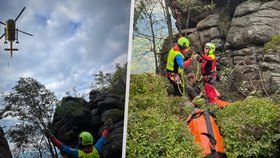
179	81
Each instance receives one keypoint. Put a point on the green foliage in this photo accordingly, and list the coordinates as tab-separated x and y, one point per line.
105	81
251	127
154	129
118	72
274	44
147	84
33	106
276	97
70	108
30	102
102	81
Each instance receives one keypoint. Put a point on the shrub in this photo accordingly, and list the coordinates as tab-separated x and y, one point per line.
273	44
154	129
251	127
147	84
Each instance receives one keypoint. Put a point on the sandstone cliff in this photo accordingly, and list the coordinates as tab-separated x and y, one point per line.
76	114
239	30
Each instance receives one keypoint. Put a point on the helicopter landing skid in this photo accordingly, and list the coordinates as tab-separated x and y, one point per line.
14	49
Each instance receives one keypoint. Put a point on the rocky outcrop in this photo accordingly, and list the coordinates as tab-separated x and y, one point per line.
197	15
4	146
105	106
253	23
75	115
239	29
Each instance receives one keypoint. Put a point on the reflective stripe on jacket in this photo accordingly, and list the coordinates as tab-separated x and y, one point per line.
172	64
93	154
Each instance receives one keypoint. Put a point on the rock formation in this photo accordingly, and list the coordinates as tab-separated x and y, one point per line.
239	30
75	115
4	146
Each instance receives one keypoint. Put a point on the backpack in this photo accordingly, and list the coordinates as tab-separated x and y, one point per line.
206	132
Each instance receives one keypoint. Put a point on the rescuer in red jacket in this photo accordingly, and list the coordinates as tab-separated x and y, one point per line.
208	70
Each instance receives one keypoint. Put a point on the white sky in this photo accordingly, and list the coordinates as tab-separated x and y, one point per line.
72	40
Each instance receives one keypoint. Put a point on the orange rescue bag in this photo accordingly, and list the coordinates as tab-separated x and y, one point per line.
206	132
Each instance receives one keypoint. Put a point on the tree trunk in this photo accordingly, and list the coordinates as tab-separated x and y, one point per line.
50	148
154	43
169	24
40	152
55	151
42	127
188	19
39	147
159	64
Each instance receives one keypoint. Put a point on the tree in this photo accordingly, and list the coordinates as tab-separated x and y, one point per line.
105	81
102	81
168	19
150	23
74	92
33	105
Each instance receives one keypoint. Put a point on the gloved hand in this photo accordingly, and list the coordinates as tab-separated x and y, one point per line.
108	124
198	52
194	56
48	133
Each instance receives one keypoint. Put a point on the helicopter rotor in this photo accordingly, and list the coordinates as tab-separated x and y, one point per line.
2	35
2	23
19	14
25	32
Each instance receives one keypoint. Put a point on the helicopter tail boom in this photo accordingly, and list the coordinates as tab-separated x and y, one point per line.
11	49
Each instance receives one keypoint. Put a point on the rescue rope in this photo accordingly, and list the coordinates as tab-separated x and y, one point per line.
198	75
182	92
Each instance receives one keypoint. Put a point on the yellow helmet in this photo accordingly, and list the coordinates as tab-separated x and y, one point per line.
211	48
85	139
183	43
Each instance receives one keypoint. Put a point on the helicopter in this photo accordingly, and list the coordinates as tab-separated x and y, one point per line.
11	33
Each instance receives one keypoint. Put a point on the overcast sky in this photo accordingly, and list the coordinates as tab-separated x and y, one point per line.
73	39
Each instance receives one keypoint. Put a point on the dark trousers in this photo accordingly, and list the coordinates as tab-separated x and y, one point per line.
176	91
